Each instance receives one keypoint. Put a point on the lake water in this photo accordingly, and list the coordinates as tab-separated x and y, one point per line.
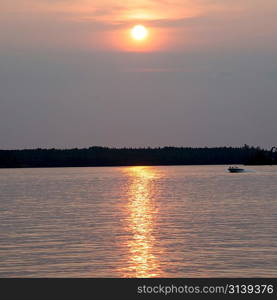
173	221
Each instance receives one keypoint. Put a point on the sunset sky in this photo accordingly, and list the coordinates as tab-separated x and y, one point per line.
73	75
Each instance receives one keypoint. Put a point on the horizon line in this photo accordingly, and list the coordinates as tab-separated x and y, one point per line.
138	148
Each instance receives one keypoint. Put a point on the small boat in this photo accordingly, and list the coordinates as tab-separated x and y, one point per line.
235	170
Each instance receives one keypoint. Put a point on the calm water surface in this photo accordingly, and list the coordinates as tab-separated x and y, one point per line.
176	221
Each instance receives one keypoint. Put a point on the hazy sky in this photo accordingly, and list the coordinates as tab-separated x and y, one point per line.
72	76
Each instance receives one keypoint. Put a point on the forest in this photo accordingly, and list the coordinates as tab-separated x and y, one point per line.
104	156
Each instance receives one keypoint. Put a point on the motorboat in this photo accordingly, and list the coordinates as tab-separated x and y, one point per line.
235	170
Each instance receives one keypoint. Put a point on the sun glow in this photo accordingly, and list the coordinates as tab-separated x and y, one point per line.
139	32
139	38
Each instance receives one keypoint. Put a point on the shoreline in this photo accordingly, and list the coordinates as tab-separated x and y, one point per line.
138	165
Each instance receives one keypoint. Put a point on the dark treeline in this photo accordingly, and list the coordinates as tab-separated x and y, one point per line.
102	156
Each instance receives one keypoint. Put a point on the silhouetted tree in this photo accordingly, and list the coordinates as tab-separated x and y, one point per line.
103	156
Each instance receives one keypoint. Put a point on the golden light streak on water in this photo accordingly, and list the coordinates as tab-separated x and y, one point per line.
141	222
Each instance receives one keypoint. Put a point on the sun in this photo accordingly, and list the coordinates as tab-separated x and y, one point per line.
139	32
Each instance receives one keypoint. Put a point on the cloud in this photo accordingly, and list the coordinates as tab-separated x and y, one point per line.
190	22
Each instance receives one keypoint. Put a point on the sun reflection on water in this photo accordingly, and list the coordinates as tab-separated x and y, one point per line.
142	211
